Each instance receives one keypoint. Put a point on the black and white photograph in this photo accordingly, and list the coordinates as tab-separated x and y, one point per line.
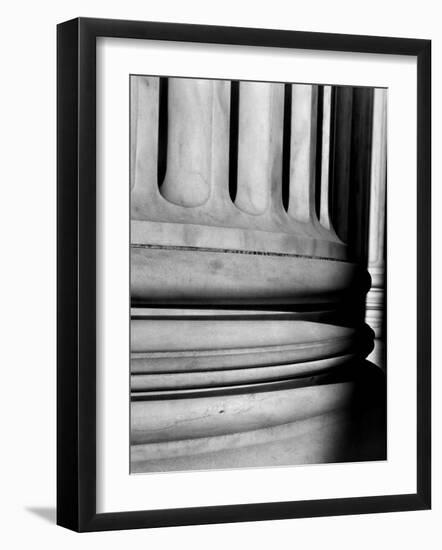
257	273
221	327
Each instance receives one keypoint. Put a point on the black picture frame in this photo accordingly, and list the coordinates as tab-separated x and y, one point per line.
77	287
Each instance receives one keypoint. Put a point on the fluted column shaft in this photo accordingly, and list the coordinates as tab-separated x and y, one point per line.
189	148
261	111
303	152
143	141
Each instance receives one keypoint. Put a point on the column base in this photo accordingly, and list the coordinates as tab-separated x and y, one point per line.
338	416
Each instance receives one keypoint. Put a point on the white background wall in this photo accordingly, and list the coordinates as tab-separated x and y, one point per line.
27	301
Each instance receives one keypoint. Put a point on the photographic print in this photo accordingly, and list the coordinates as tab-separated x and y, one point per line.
226	270
257	257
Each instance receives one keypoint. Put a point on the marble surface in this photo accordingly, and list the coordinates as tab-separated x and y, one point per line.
174	275
261	110
284	424
183	353
204	413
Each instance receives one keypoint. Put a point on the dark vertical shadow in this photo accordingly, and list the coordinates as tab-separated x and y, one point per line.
350	173
287	130
359	191
360	174
340	172
162	129
383	332
233	139
368	426
351	204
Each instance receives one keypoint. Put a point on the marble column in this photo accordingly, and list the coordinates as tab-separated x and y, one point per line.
243	352
376	252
